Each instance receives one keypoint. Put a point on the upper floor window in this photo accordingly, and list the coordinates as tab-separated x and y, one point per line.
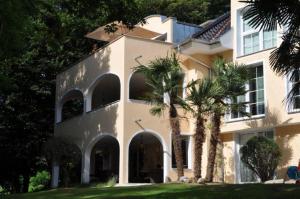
138	88
254	98
254	40
70	105
292	84
105	91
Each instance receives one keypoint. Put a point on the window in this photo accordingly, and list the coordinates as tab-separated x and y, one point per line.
269	39
295	102
180	91
254	40
138	88
246	175
185	149
255	95
256	91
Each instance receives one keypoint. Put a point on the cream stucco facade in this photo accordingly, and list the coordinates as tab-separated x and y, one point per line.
125	119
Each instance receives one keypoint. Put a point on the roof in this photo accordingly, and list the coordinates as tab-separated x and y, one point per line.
101	34
214	30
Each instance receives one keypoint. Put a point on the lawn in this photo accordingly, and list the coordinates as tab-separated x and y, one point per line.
162	191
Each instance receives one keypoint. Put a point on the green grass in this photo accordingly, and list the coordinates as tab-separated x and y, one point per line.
162	191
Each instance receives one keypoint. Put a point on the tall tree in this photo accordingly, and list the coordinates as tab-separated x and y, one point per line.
265	14
191	11
200	98
163	76
14	16
231	80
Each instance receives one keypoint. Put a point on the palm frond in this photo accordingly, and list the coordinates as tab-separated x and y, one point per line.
201	95
163	76
286	57
265	14
157	110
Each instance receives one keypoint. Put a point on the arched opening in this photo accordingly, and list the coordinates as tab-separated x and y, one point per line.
106	91
105	160
72	105
138	89
145	159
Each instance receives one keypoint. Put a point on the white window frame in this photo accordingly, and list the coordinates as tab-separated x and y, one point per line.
247	33
237	147
241	34
228	115
289	86
189	155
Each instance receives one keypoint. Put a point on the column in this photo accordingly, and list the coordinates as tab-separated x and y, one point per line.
55	174
123	164
167	159
87	103
58	113
85	168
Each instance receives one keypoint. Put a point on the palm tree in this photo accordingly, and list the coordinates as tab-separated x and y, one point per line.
200	98
163	76
230	80
265	14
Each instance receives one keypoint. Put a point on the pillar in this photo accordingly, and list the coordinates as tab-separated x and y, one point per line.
55	174
167	159
85	169
123	164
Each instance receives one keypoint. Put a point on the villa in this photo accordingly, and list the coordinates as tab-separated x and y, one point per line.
114	129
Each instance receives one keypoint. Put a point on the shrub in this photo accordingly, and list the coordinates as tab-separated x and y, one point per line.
66	154
4	189
39	182
111	182
261	155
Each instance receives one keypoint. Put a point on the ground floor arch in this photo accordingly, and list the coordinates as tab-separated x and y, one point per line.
104	159
146	159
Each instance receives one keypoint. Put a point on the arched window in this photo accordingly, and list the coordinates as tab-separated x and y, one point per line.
106	91
138	89
72	105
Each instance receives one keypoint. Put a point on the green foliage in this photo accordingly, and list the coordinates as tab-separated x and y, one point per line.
211	94
262	156
39	182
3	191
163	76
14	16
201	96
172	190
230	78
111	182
61	150
100	185
192	11
65	153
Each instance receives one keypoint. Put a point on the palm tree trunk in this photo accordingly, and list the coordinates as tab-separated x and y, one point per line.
214	139
198	150
176	139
